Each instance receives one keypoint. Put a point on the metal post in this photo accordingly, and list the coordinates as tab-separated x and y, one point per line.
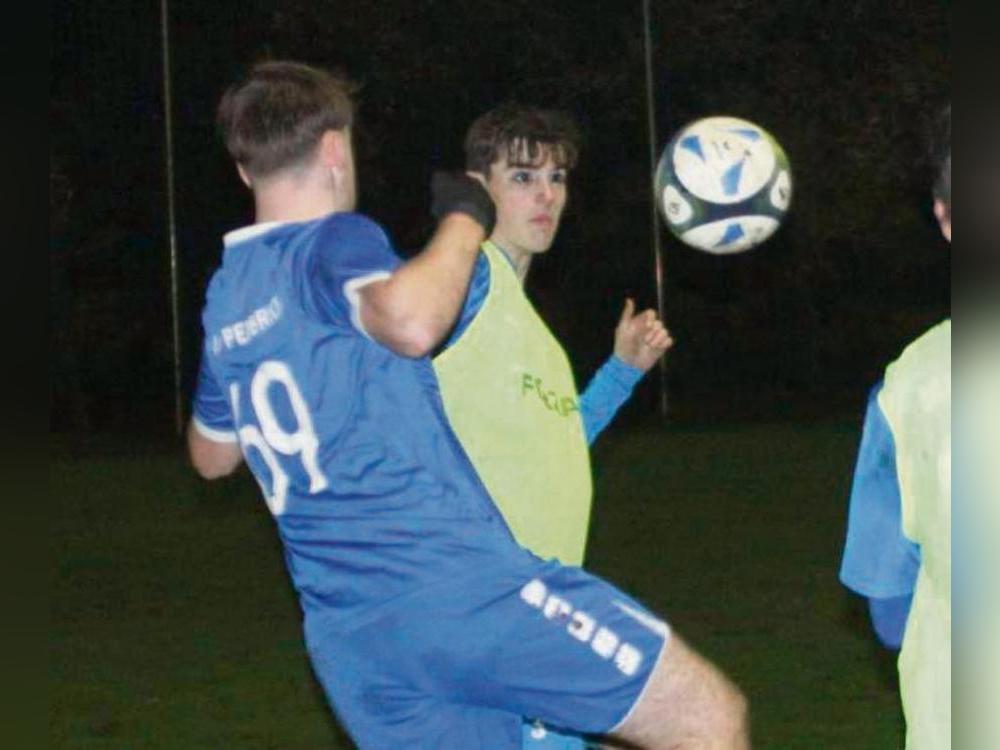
171	214
653	214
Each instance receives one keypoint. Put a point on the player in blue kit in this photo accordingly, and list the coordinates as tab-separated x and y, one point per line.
427	625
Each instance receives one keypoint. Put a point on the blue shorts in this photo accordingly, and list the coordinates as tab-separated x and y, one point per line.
463	663
537	736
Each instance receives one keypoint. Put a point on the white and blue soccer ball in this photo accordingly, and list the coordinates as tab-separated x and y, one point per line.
723	185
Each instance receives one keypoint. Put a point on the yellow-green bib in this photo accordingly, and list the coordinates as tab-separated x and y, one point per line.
977	533
509	394
916	401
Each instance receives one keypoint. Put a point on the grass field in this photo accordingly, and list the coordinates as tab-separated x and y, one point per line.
174	626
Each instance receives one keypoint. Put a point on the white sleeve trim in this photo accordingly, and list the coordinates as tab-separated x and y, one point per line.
216	436
352	291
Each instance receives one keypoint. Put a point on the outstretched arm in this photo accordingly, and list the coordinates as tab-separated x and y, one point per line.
412	310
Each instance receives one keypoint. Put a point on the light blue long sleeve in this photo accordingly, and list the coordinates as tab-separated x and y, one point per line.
604	395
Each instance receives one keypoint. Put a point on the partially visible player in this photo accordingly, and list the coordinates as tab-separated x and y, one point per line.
898	550
428	626
976	435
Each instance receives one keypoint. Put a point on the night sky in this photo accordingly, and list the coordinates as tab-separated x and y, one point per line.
799	326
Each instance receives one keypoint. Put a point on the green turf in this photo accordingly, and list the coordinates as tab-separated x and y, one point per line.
174	625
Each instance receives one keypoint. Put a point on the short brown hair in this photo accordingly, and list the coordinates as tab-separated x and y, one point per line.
275	117
517	131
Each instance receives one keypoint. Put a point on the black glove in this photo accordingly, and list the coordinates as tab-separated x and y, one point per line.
456	192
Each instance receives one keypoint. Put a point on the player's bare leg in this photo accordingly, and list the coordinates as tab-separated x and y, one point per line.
688	704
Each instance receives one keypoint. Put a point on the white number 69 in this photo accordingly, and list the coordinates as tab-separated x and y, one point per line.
271	439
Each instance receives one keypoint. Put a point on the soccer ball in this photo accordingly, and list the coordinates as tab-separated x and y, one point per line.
723	185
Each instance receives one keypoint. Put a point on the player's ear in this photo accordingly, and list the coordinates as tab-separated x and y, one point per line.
334	148
244	176
478	177
943	214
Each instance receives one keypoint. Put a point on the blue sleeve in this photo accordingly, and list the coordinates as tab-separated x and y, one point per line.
605	393
889	617
479	287
878	560
211	412
349	252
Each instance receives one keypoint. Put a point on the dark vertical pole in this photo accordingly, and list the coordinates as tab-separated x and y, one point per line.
168	136
653	214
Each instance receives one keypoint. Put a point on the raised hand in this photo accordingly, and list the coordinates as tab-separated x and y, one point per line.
641	338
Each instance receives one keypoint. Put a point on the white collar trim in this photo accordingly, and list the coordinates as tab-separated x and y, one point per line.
250	232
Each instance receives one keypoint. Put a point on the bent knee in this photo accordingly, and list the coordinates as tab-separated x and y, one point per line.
688	703
735	724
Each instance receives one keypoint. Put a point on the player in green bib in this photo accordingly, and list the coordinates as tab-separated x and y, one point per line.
898	549
506	382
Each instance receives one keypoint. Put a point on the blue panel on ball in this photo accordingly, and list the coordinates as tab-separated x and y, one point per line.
733	233
750	135
693	144
731	179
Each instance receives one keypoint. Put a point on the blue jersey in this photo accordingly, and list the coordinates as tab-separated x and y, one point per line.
371	492
426	624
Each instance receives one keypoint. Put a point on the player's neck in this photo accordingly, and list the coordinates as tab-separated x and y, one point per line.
296	199
521	261
287	207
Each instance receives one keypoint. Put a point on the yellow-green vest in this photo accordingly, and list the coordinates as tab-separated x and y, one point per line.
509	393
977	530
916	400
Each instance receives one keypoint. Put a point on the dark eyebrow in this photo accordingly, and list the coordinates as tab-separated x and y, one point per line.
535	165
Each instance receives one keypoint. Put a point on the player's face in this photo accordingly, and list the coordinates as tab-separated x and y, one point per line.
529	199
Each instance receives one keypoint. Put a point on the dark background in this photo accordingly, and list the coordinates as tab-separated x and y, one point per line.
798	328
